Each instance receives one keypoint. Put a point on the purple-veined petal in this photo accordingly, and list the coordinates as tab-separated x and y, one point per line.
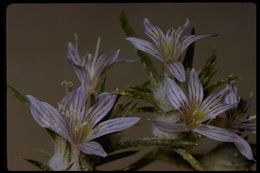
195	88
244	148
248	125
231	97
189	39
113	125
224	135
178	71
145	46
96	63
169	36
74	103
103	62
74	56
213	99
154	32
104	103
78	63
179	31
176	96
186	23
48	117
217	110
169	127
92	148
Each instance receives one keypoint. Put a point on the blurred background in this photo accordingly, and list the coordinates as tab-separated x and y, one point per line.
37	37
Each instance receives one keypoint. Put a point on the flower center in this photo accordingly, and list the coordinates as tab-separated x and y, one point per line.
168	51
193	117
80	131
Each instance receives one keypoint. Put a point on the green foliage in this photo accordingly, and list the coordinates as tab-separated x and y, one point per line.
225	157
208	70
219	83
123	109
143	161
69	166
189	158
144	109
116	156
189	56
145	60
23	99
102	85
45	153
152	142
20	97
52	134
39	165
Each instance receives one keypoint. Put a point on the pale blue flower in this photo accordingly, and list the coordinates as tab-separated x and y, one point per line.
76	123
196	110
91	67
239	119
167	47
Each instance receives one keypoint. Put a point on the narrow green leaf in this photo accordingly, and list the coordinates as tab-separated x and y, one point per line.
23	99
208	69
152	142
144	109
44	152
145	60
69	166
138	95
20	97
39	165
124	24
52	134
220	82
102	85
116	156
140	163
189	158
141	88
189	56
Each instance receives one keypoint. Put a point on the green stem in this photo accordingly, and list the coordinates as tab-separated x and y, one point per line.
189	158
152	142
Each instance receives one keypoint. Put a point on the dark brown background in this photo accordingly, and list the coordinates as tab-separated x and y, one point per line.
37	36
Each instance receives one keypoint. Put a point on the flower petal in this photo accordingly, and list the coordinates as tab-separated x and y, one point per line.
154	32
74	103
189	39
145	46
217	110
176	96
180	30
99	110
224	135
74	56
177	70
231	97
169	127
113	125
48	117
195	88
96	67
92	148
247	125
213	99
78	63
